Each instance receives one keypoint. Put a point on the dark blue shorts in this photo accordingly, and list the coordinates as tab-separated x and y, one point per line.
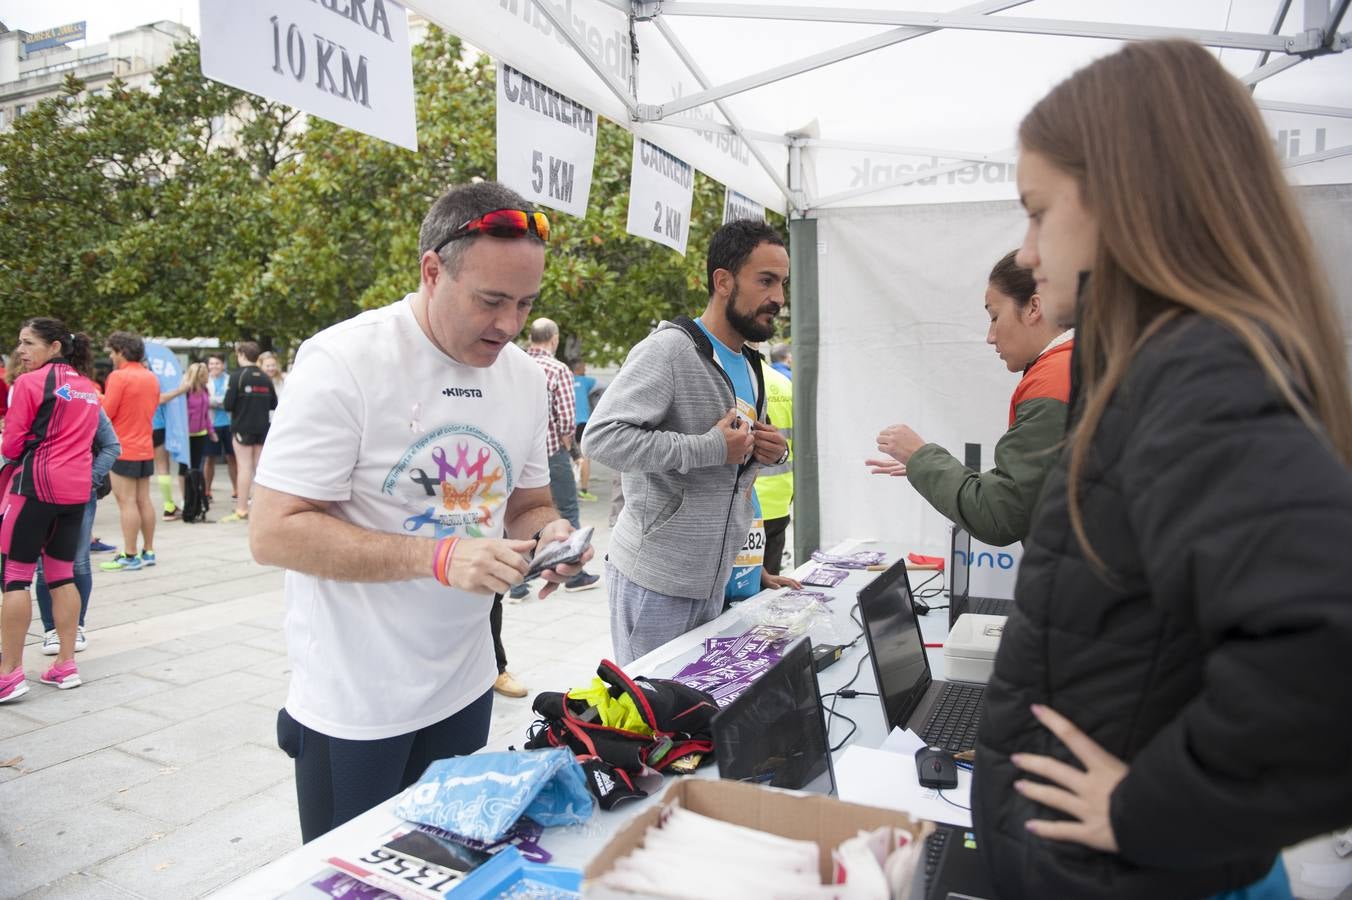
338	780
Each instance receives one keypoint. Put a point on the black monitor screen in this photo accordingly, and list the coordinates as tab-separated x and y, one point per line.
894	641
774	734
960	564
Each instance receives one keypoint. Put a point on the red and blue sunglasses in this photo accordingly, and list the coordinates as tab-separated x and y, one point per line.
502	223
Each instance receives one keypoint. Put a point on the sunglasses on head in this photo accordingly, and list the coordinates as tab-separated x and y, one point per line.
502	223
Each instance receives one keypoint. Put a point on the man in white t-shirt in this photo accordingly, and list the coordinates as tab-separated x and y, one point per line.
404	480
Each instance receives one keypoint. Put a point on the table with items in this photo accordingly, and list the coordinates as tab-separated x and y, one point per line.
377	854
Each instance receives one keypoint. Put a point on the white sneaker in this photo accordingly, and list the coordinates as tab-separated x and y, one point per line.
80	640
51	644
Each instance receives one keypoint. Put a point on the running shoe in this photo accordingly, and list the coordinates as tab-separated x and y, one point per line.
519	592
234	517
51	644
123	562
171	514
586	496
98	546
147	557
63	675
80	640
581	582
13	685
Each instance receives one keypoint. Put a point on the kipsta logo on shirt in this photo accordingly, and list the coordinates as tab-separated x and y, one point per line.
462	392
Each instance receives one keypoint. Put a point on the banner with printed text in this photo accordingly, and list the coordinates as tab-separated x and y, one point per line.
661	189
348	62
546	143
739	206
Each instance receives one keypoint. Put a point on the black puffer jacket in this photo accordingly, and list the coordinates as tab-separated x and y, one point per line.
1215	662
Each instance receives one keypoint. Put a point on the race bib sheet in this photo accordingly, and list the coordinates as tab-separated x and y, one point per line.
825	577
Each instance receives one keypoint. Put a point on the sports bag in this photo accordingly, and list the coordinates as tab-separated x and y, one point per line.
195	499
680	719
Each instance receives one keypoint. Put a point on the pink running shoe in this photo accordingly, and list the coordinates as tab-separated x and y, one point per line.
12	686
64	675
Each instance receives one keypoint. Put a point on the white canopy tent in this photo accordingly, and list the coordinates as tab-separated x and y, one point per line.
887	135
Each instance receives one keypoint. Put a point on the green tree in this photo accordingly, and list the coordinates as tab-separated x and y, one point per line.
204	210
123	206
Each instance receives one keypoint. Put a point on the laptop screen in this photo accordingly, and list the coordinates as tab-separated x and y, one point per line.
775	734
894	642
959	567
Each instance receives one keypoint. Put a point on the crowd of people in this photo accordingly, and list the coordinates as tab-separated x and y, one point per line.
1175	632
71	438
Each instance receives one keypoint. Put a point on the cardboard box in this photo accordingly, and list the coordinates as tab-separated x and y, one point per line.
804	817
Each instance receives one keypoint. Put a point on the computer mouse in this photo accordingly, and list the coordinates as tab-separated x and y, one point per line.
935	768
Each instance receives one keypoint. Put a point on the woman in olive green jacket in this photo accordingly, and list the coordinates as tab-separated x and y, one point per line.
997	506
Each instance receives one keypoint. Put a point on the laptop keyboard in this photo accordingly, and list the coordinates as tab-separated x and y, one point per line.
989	606
934	852
952	719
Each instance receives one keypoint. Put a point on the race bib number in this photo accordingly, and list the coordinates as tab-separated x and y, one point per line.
746	412
753	550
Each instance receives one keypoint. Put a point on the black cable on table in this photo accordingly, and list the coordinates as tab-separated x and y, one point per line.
951	803
835	695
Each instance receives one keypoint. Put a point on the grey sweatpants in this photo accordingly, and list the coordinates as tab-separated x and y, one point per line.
642	620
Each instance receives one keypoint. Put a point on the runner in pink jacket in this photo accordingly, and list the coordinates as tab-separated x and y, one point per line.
47	448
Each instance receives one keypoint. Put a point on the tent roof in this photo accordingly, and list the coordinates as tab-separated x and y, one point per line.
880	109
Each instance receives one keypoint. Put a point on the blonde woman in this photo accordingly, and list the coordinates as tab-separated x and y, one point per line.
201	427
1169	704
267	361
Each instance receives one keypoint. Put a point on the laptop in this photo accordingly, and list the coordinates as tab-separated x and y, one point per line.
775	733
954	868
960	578
943	713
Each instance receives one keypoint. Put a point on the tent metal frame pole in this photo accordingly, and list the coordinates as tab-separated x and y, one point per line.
1306	109
804	318
1262	73
809	63
692	124
1239	40
1277	20
1321	156
728	114
1335	17
560	24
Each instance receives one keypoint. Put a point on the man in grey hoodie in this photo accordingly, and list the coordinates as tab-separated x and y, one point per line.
684	421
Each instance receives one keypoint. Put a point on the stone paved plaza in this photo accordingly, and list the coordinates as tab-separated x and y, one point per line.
160	777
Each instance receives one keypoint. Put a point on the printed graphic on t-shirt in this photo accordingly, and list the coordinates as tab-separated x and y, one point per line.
68	393
454	480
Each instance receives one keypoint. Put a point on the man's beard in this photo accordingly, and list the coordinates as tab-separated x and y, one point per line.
747	326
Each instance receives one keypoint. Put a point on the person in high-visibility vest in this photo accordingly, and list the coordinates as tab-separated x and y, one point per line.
774	484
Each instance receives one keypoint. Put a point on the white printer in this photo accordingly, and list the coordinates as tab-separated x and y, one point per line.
969	651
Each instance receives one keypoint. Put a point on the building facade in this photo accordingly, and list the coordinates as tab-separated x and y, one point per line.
28	77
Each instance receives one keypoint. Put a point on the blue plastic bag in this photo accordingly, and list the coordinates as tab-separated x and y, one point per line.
481	796
507	876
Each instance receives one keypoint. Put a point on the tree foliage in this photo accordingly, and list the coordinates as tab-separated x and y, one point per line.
202	210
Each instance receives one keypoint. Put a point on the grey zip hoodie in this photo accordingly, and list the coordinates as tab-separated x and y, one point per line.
686	510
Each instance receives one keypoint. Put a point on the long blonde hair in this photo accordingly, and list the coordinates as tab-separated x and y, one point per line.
1194	215
198	376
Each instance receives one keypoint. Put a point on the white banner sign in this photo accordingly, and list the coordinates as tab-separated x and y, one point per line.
546	143
737	206
347	61
661	188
